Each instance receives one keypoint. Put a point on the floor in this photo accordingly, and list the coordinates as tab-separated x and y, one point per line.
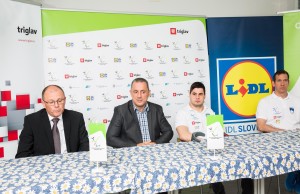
233	187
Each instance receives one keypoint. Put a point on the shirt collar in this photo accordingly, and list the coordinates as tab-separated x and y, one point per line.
275	96
146	108
50	117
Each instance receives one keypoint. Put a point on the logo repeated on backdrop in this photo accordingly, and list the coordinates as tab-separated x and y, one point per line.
102	45
243	84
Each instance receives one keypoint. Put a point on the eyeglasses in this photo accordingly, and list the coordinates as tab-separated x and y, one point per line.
52	102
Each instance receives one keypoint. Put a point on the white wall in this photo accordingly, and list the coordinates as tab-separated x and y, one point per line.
209	8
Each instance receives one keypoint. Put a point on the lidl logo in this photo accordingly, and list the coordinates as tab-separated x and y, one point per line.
243	85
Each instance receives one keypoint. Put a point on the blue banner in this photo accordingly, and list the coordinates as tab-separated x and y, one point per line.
244	53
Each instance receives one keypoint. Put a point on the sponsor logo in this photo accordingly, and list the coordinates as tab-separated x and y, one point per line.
147	60
69	76
148	74
161	60
26	31
168	117
83	60
199	60
73	87
186	60
201	74
51	44
243	85
134	75
177	94
174	59
72	99
133	45
117	60
174	31
187	46
162	45
162	74
52	77
118	45
100	45
68	60
117	85
118	75
89	98
187	74
86	76
132	60
106	121
147	46
163	95
86	44
174	74
69	44
105	98
175	46
200	46
101	61
103	75
51	60
121	97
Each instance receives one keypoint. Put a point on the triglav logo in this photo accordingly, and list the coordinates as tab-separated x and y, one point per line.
52	77
174	31
175	46
101	61
177	94
118	45
197	60
106	121
158	45
26	31
100	45
147	46
83	60
148	74
147	60
51	44
72	99
134	75
69	76
186	60
174	74
68	60
105	97
121	97
163	95
118	75
86	76
86	44
132	60
187	74
243	85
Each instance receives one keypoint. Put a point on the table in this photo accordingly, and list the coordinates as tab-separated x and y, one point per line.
158	168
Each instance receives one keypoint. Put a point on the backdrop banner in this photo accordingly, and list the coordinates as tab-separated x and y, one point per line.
244	53
95	57
21	75
291	29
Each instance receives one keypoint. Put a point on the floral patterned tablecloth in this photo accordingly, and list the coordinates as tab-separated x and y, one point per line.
157	168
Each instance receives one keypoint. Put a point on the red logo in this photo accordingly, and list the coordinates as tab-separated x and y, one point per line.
119	96
193	122
144	60
173	31
185	73
67	76
104	120
81	60
99	45
158	45
174	94
130	74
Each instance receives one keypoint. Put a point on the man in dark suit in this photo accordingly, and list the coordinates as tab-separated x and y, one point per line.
54	129
138	122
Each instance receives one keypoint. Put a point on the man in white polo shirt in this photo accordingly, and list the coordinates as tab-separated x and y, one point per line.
191	119
280	111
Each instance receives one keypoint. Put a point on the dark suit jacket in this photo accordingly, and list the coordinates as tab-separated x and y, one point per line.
36	137
124	129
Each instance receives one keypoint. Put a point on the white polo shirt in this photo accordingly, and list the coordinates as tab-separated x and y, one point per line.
195	121
283	113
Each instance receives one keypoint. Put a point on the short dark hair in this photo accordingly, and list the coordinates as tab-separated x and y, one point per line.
279	72
140	79
197	85
45	89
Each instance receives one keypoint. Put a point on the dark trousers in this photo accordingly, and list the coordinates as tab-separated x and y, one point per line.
247	185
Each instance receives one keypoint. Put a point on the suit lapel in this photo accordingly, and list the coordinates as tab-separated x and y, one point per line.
46	125
136	122
150	117
67	128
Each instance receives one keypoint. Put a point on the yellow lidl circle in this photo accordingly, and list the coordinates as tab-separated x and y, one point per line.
243	85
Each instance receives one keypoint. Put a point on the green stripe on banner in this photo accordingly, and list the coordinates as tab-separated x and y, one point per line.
56	22
291	31
96	127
